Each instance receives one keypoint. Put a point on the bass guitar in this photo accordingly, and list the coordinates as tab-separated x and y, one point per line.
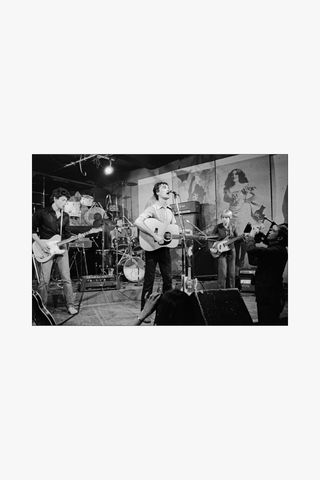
223	246
54	243
170	234
40	315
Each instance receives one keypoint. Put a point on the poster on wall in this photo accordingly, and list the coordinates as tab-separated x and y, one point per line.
243	186
197	183
279	172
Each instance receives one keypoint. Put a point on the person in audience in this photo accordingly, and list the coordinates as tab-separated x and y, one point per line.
173	307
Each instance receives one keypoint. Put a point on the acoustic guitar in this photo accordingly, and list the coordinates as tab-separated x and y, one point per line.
40	315
170	234
54	243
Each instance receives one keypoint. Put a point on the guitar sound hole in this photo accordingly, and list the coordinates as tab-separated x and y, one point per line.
167	236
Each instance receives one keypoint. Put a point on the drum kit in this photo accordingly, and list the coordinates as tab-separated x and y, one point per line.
120	252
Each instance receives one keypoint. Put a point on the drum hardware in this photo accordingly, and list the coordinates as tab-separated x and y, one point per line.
75	249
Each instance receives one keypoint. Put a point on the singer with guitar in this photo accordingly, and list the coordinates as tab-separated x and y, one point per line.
225	251
158	252
47	223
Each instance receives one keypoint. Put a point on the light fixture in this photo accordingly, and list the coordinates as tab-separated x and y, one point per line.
109	168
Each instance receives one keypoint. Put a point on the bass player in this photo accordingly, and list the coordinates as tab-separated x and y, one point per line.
227	259
46	223
162	212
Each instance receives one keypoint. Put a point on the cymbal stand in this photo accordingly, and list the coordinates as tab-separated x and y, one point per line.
183	242
102	246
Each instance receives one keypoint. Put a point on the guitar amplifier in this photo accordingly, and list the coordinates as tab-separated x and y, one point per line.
97	282
246	278
186	207
85	242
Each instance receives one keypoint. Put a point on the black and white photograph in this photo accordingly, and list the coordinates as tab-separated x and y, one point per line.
130	240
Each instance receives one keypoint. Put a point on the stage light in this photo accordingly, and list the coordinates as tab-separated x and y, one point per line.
109	169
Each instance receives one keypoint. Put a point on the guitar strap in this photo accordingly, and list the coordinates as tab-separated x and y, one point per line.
61	224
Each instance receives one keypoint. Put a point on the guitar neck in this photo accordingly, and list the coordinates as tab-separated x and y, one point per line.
68	240
233	240
74	237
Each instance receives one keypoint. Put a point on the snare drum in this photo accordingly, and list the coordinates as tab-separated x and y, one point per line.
133	269
86	200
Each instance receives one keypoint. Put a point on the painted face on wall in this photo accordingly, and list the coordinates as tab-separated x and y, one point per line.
235	176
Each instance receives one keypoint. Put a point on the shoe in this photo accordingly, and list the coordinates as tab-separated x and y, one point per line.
72	310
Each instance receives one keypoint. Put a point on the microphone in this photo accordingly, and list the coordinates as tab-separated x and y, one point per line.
174	192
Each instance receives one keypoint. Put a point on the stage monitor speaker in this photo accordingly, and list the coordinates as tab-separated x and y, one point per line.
221	307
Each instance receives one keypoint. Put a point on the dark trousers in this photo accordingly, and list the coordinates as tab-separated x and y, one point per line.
226	269
163	258
269	313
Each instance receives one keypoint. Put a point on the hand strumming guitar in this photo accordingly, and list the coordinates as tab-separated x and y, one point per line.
158	238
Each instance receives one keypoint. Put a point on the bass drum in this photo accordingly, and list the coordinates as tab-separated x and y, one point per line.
92	214
133	269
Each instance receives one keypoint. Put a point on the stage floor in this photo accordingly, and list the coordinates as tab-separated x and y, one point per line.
120	306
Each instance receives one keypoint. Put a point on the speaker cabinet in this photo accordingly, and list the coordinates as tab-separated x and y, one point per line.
194	218
221	307
205	267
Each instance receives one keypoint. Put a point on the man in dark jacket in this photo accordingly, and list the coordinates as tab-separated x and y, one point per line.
271	262
46	223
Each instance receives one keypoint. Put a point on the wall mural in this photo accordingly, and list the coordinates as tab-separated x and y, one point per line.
197	183
251	186
244	188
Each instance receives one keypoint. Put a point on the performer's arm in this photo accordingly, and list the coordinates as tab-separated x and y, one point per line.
36	221
140	223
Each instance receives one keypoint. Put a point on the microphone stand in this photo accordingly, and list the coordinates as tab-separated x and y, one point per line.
102	245
183	242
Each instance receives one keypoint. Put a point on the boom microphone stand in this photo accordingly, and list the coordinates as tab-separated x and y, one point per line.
183	241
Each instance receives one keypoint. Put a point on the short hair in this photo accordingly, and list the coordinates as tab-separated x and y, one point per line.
283	232
226	213
156	188
59	192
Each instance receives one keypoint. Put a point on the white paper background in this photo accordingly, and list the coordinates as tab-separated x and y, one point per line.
146	77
